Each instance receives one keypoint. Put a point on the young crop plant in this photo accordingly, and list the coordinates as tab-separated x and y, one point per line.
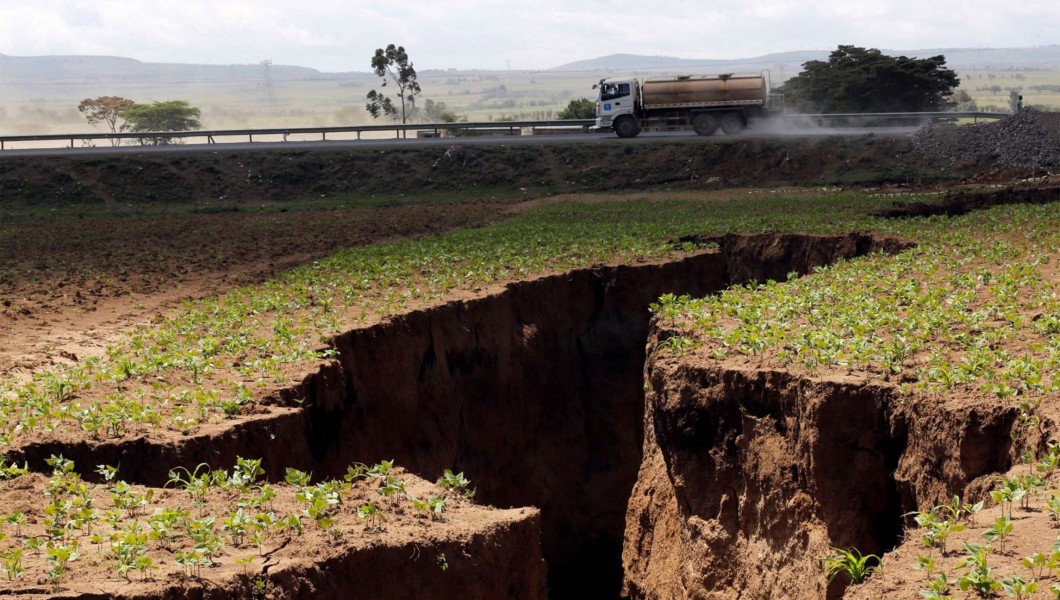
456	483
1053	504
851	563
999	532
128	552
372	515
938	588
13	568
1018	587
13	470
980	576
433	506
936	529
59	557
927	564
1039	563
1011	491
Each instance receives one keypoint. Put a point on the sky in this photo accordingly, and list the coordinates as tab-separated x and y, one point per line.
337	35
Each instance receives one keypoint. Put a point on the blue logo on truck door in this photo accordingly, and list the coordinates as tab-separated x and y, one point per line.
607	106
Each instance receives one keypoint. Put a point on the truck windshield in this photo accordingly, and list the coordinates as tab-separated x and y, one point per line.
610	91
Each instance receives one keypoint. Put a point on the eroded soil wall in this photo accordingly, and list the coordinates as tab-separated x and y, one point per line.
750	476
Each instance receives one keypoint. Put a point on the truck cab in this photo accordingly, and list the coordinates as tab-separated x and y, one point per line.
616	99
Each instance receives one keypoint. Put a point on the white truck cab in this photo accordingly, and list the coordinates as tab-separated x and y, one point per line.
616	98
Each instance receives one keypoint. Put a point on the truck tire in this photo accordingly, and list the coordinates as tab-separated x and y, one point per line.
732	123
626	127
704	124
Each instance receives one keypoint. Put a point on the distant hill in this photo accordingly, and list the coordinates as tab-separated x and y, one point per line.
1044	57
107	69
633	62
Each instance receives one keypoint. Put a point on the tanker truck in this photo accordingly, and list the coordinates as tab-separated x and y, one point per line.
700	102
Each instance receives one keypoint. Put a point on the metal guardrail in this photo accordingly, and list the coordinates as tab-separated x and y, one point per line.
918	117
507	127
504	127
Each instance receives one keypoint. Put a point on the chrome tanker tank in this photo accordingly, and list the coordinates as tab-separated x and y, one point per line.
689	91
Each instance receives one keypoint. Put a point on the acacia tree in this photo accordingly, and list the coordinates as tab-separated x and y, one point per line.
171	115
392	66
106	109
866	80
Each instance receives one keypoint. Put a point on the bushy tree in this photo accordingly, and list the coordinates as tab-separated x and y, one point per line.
433	111
392	66
106	109
582	108
866	80
171	115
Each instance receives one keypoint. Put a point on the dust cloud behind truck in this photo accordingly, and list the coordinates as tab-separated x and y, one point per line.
702	103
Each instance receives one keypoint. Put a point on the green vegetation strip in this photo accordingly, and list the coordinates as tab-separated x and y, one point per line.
209	361
974	305
205	518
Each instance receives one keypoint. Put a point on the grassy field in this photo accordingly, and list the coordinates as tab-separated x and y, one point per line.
478	95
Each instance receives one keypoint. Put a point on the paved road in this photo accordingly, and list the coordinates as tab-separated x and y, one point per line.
598	138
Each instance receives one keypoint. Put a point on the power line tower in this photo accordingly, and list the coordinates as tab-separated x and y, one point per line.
266	67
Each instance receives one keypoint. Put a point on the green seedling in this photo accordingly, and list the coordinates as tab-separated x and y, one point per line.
938	589
371	513
927	564
1018	587
980	576
999	532
1037	564
13	470
851	563
12	558
59	557
457	483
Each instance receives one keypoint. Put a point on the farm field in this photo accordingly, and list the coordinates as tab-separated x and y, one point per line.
316	375
338	99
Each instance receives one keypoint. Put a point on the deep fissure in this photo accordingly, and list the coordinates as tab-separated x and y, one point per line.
536	393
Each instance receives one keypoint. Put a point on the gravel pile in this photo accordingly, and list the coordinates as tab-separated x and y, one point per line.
1029	139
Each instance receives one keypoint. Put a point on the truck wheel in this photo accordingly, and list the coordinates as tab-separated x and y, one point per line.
704	124
732	123
627	127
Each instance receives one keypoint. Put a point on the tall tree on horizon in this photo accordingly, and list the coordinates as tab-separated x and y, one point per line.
106	109
392	66
866	80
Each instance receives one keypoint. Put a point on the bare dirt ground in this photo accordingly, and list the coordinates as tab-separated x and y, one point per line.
69	287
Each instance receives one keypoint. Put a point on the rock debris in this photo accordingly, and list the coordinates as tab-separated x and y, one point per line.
1029	139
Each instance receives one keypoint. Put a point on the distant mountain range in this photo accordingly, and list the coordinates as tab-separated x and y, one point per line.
1044	57
87	69
96	69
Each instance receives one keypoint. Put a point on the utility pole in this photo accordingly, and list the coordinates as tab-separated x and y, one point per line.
265	65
